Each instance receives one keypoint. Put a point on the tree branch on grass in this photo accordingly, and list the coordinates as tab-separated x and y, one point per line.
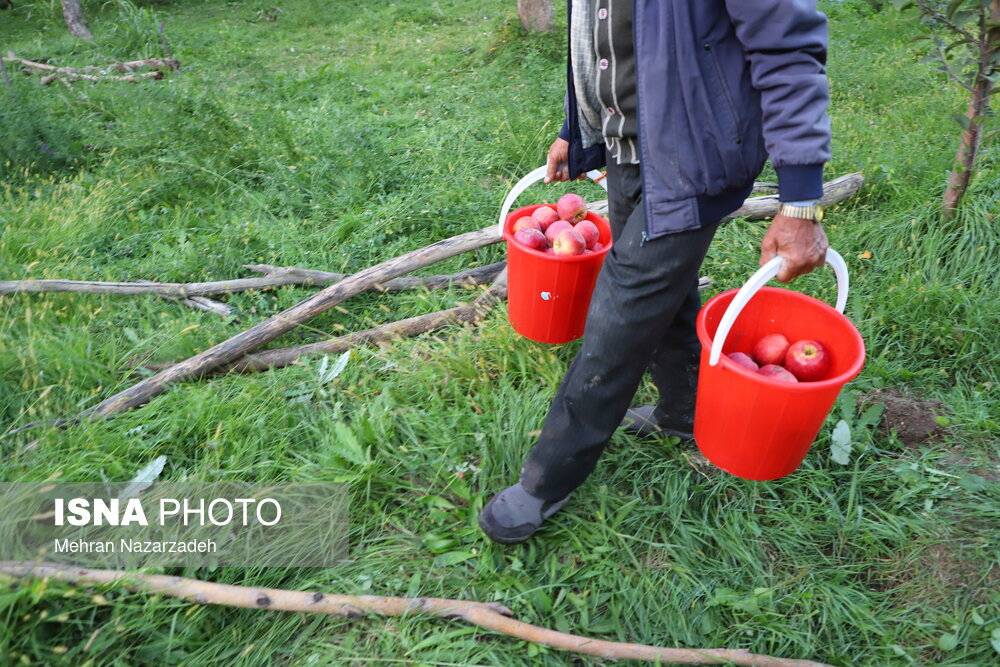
274	276
266	331
490	616
125	69
405	328
413	326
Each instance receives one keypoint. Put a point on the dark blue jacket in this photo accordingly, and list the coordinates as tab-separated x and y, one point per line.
722	85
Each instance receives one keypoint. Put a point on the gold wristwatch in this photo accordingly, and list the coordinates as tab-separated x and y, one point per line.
814	212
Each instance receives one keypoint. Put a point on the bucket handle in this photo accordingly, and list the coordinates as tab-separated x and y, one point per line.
756	281
533	177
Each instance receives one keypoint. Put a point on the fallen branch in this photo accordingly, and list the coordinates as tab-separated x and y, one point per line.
275	276
413	326
90	73
266	331
203	303
487	615
837	190
468	278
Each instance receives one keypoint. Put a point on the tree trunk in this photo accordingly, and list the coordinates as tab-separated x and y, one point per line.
965	158
535	15
73	14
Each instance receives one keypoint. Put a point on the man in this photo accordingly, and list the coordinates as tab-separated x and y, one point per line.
684	101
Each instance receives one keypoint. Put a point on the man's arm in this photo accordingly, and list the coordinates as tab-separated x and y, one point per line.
786	42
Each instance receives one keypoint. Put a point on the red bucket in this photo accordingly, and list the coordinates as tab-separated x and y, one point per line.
757	427
548	295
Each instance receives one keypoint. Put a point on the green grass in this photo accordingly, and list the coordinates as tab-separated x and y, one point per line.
341	135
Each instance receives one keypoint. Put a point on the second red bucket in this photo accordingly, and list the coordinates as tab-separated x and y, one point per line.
757	427
548	296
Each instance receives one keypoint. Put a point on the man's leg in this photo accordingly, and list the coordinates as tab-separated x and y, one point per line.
674	369
639	292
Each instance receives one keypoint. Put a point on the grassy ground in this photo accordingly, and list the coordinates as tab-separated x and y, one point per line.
340	134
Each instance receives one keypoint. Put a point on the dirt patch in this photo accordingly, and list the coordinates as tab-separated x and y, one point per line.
913	420
935	573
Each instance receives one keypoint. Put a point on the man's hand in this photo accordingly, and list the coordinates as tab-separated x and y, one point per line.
557	162
801	243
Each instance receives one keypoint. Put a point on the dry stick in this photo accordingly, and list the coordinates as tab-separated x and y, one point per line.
130	66
412	326
490	616
279	358
203	303
473	277
266	331
68	74
275	276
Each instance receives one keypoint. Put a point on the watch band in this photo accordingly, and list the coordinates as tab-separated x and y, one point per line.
813	212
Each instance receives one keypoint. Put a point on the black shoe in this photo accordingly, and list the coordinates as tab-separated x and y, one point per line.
513	515
641	423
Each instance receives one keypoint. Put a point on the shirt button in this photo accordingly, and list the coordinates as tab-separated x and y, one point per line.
603	64
602	13
611	111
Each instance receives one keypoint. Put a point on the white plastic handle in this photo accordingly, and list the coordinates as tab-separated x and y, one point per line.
756	281
530	179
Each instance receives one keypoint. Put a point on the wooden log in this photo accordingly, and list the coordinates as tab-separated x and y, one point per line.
90	73
467	278
835	191
411	326
491	616
275	276
266	331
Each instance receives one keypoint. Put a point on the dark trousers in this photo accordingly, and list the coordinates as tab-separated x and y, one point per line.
642	316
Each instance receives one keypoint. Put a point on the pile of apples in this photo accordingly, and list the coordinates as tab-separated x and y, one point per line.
559	231
774	357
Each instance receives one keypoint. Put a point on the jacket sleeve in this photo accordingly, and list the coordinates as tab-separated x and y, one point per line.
786	44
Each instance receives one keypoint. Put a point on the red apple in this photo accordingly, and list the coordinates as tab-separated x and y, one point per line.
571	207
743	360
555	228
807	360
770	349
549	251
776	372
545	215
531	238
597	246
568	242
588	231
526	221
